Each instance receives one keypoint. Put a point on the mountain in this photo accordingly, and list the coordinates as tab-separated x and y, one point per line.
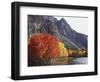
77	38
59	28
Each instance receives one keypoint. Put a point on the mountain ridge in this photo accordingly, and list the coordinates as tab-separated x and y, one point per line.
59	28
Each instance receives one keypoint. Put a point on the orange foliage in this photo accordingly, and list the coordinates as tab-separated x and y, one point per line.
43	45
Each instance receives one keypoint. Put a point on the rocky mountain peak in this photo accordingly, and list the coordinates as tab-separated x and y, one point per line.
59	28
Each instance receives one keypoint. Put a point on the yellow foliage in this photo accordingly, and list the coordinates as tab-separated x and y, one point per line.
63	50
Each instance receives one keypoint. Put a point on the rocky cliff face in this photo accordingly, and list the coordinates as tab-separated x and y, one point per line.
59	28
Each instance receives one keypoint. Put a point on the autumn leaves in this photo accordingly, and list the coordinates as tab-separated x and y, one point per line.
43	45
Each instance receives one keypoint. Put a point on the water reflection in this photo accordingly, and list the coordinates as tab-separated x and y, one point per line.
59	61
77	60
69	61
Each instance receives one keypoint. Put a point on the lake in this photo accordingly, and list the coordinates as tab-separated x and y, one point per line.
77	60
60	61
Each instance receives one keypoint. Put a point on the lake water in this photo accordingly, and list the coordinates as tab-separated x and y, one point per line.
70	60
78	60
61	61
